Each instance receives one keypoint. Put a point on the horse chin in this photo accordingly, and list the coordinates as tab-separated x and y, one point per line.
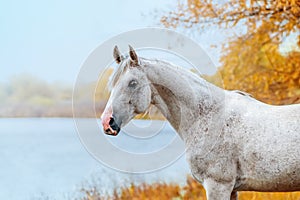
112	132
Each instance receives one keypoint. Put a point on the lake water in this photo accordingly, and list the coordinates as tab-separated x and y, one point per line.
44	158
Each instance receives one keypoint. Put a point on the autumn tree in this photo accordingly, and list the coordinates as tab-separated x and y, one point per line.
252	61
261	70
280	17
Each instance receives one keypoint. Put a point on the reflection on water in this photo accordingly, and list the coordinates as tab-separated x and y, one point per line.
45	156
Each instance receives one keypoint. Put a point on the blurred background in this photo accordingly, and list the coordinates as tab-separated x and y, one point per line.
255	45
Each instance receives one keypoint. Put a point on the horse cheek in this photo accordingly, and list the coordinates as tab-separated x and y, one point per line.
147	97
143	100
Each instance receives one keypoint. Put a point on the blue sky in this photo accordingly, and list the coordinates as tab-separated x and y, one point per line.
51	39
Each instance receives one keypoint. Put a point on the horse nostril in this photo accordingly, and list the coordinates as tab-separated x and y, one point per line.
111	121
114	125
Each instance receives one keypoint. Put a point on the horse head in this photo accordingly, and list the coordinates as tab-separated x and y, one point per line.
130	92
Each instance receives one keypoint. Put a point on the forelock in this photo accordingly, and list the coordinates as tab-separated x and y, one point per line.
118	72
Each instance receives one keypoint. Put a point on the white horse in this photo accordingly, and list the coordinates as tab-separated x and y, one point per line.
233	142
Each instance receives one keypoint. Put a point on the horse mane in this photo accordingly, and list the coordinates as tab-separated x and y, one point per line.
242	93
118	71
125	63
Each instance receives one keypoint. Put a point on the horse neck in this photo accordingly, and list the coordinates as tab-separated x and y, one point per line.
182	96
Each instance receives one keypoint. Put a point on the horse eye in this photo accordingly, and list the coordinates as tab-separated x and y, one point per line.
132	83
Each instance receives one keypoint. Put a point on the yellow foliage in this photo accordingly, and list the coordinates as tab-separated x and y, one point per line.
282	15
102	91
192	190
252	62
254	66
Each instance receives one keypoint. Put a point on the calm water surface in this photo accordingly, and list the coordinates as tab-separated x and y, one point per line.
45	158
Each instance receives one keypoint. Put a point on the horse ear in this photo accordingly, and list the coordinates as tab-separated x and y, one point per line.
133	56
117	55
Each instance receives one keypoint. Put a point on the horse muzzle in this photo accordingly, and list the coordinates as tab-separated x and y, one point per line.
113	128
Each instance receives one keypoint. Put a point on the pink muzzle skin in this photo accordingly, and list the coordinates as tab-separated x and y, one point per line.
105	119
